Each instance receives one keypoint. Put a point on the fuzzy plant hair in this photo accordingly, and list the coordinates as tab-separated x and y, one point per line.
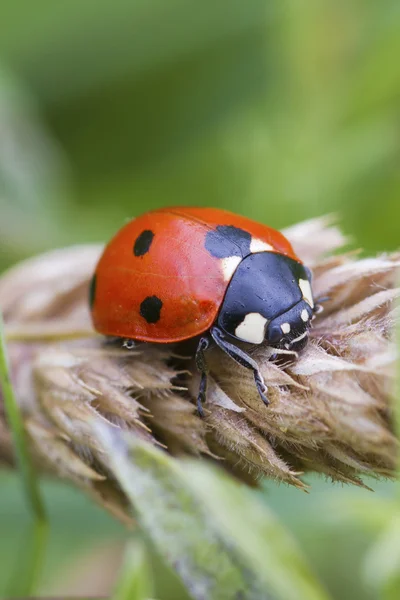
330	411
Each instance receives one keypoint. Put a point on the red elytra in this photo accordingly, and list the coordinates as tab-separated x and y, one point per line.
162	256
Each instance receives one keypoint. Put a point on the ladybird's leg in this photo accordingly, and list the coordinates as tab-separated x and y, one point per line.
129	344
261	387
242	359
201	365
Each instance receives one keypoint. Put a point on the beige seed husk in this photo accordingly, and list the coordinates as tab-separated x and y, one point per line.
331	410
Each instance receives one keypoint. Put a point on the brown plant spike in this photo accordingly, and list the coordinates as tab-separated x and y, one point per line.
330	410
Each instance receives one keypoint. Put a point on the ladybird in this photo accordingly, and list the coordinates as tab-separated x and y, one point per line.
179	273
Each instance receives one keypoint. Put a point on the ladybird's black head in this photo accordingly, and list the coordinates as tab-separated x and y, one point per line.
269	299
289	330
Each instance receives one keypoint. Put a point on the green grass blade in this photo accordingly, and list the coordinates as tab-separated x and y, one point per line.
397	387
200	534
30	564
29	561
250	526
135	579
15	422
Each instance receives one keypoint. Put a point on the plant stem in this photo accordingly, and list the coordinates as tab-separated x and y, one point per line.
38	536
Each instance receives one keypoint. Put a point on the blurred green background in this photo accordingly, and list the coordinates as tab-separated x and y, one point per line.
277	110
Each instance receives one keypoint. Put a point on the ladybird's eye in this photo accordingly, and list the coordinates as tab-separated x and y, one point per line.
275	334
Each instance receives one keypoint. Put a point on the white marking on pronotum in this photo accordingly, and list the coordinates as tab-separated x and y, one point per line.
304	315
285	327
257	245
252	328
229	266
305	287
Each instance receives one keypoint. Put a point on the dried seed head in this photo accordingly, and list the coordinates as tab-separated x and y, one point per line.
330	410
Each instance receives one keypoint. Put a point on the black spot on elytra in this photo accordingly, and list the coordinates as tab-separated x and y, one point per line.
150	309
92	291
227	240
143	242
